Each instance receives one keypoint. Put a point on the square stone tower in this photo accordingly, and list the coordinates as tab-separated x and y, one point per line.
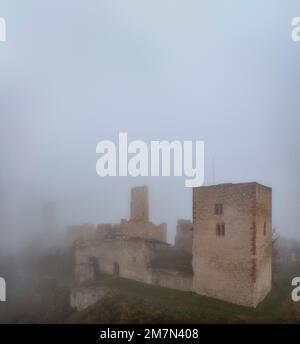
139	207
232	242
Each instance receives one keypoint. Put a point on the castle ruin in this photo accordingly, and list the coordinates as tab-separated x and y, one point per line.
226	253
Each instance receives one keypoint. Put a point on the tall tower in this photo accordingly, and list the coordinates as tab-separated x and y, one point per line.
232	242
139	204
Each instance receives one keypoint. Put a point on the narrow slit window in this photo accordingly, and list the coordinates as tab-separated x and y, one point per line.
218	229
223	229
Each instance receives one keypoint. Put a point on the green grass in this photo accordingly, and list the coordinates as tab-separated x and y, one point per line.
171	305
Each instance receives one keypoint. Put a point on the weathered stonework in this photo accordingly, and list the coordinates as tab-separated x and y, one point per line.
142	229
225	253
124	257
235	264
184	236
139	207
83	297
171	279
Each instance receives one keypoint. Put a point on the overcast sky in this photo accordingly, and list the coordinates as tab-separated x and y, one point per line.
73	73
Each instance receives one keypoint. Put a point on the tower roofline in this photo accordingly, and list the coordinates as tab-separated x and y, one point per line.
233	184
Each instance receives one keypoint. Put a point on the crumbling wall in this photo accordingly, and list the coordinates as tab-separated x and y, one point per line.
184	236
84	231
83	297
146	230
107	231
124	257
171	279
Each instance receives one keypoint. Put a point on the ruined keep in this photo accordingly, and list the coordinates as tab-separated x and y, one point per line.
225	253
134	249
139	206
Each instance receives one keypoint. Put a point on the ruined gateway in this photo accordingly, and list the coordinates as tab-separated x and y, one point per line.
226	253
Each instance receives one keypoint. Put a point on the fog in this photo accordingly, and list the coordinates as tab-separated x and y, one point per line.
74	73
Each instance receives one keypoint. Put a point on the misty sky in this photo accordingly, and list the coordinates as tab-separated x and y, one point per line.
73	73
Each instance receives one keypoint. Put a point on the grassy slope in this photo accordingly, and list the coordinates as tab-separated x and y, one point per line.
41	295
132	301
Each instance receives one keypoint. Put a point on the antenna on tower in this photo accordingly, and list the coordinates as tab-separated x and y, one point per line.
213	171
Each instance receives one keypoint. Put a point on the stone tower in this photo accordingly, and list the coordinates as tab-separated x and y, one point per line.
139	204
232	242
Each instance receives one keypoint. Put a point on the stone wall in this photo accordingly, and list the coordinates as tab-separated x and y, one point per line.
145	230
171	279
84	231
124	257
138	226
263	236
83	297
184	236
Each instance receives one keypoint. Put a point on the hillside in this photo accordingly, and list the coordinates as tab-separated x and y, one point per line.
133	302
